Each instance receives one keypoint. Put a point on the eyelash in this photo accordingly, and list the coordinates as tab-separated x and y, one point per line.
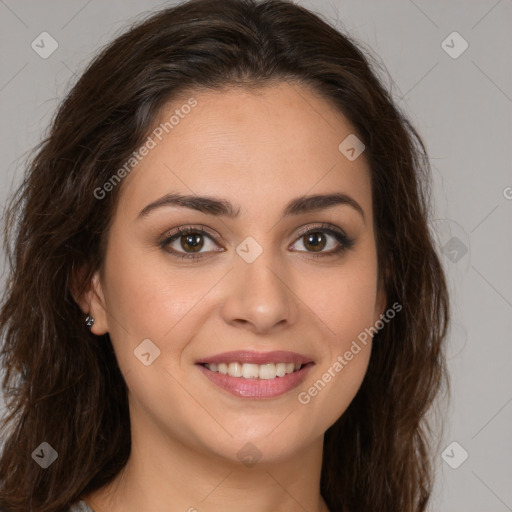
345	241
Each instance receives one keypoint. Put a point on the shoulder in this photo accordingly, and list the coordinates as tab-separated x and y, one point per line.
80	506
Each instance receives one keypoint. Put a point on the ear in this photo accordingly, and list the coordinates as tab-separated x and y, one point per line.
89	295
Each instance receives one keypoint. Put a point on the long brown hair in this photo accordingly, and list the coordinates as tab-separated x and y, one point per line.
62	384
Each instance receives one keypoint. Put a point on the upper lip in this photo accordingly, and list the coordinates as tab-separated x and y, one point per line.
247	356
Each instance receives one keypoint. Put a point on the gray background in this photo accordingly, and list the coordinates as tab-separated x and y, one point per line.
461	106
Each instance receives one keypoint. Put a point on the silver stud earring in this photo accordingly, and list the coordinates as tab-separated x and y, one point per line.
89	321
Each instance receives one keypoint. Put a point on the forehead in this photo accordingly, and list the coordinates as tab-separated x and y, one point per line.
255	147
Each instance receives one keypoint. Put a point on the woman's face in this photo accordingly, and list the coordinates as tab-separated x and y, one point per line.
259	287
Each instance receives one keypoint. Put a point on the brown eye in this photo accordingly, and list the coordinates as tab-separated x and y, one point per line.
315	241
189	242
192	242
324	240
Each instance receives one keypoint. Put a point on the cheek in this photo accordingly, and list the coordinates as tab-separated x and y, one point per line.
329	391
335	386
344	302
342	298
150	301
146	292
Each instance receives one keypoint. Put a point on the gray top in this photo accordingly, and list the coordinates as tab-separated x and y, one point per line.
80	506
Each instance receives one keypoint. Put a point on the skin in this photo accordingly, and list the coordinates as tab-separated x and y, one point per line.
257	149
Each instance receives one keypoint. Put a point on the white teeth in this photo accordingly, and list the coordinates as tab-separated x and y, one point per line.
254	371
234	369
281	369
250	371
268	371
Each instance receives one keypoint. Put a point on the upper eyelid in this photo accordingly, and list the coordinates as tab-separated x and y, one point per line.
321	227
172	233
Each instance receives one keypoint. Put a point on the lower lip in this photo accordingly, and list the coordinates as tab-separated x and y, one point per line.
257	388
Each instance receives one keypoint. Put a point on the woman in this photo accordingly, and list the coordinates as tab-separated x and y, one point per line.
223	290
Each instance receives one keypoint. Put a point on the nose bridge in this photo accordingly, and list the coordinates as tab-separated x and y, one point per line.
259	295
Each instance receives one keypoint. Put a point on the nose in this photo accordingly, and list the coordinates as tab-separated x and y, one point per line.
260	296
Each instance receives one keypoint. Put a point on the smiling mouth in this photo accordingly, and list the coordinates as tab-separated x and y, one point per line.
255	371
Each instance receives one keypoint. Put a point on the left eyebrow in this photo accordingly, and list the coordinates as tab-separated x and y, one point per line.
306	204
222	207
